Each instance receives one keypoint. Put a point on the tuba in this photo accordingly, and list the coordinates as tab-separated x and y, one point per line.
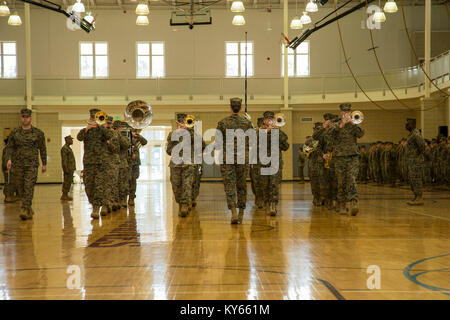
138	114
357	117
189	121
280	120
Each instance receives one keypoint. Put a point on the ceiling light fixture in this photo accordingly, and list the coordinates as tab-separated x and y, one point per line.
390	6
142	21
237	6
4	10
312	7
14	20
142	9
78	7
305	19
238	20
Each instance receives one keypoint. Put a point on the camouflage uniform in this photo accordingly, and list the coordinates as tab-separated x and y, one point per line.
135	162
346	153
414	155
93	175
315	163
234	175
270	184
111	164
255	171
301	164
124	169
23	149
68	166
363	166
9	188
427	165
181	175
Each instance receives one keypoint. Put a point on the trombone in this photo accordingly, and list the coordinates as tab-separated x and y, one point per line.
100	118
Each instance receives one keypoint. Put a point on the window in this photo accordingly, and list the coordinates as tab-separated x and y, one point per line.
150	60
8	60
94	60
298	60
235	59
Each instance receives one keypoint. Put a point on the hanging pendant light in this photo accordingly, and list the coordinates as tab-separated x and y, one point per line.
390	6
142	21
296	23
142	9
78	7
238	20
89	17
379	17
14	20
4	10
237	6
312	7
305	19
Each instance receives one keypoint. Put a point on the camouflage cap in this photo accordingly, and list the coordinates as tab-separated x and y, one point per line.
411	120
117	124
93	111
69	137
317	125
328	116
268	114
260	121
181	117
109	120
235	101
345	107
25	112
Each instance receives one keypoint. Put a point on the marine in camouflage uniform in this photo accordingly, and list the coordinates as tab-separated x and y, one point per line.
328	183
346	154
270	184
301	165
415	147
427	163
124	169
442	161
363	165
68	167
315	163
234	175
181	174
111	164
94	138
198	171
9	188
25	144
135	161
255	173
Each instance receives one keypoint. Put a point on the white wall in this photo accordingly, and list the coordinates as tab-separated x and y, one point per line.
200	52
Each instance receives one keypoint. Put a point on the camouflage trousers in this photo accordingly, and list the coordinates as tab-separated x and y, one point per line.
111	172
95	183
347	168
255	174
67	182
9	188
314	175
234	180
182	180
328	183
427	174
196	184
124	182
133	181
300	172
26	178
362	175
270	185
415	171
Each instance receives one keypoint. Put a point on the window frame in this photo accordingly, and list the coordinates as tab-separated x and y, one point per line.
150	55
94	73
239	59
2	62
295	62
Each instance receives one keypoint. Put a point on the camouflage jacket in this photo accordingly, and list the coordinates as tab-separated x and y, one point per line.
94	144
415	146
111	156
171	144
344	139
283	145
124	143
363	159
234	121
301	158
138	139
24	147
67	159
4	158
325	140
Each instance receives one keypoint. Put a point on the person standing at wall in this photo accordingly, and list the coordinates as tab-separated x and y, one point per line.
25	144
68	166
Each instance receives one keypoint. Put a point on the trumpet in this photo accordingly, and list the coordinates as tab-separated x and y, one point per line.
280	119
357	117
138	114
308	148
327	161
189	121
100	118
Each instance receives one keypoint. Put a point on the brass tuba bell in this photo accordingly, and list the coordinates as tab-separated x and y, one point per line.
138	114
189	121
357	117
280	119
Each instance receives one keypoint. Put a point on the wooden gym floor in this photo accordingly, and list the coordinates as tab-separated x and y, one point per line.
151	253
